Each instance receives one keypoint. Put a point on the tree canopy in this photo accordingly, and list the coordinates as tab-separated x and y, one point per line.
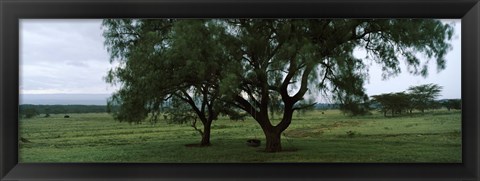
248	63
423	96
394	102
452	104
165	58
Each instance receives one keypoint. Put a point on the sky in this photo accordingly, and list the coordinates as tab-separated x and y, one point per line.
449	78
63	56
68	57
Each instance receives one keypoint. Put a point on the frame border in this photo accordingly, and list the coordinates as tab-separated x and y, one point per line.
13	10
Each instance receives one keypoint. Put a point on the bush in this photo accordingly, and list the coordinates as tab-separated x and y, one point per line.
355	109
29	112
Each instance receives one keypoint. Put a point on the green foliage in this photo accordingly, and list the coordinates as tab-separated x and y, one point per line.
355	109
179	60
235	114
395	102
64	109
179	112
251	64
423	96
161	59
418	97
452	104
28	112
128	108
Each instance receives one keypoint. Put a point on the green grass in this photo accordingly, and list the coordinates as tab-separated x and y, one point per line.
312	137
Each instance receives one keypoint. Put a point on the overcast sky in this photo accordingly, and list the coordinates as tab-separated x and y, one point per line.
68	57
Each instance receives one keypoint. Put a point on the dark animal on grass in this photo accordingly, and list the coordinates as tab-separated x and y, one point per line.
253	142
66	116
24	140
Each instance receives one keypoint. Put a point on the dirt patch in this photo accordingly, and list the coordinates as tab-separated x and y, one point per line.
304	132
343	124
320	129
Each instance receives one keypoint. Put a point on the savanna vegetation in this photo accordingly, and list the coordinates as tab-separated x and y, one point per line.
259	66
227	81
421	97
314	136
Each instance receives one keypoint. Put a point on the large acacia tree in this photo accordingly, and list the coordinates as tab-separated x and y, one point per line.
262	59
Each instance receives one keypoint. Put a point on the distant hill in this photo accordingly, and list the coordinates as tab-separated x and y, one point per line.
64	99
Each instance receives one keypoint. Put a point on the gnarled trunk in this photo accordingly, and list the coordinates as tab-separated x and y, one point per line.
273	134
273	141
206	134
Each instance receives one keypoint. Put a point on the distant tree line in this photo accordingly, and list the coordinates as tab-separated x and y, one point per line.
422	97
452	104
29	110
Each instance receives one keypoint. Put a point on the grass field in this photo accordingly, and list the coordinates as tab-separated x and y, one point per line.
312	137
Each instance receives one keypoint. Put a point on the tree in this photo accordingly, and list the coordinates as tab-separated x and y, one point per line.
47	112
355	107
423	96
29	112
254	59
292	57
394	102
162	59
452	104
180	112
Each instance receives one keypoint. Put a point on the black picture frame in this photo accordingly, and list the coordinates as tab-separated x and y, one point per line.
13	10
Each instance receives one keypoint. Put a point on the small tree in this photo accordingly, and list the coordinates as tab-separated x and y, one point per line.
452	104
30	112
47	112
423	96
394	102
355	107
181	112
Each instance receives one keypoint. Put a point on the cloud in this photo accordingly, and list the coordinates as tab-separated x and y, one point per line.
77	64
68	56
62	56
56	40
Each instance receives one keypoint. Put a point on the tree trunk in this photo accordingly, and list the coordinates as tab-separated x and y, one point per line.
206	134
273	141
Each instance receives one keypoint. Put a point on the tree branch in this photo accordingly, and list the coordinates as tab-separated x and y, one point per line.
194	125
292	70
246	106
190	101
303	87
